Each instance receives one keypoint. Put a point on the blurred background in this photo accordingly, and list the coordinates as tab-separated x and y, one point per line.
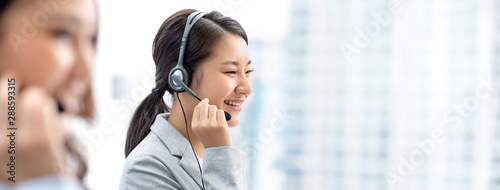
357	94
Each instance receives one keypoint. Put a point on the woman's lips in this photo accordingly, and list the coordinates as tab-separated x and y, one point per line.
69	97
68	105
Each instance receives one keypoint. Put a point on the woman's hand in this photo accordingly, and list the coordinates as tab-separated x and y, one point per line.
209	124
38	140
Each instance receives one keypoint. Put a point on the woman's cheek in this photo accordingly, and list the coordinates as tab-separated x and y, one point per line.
64	62
53	64
226	90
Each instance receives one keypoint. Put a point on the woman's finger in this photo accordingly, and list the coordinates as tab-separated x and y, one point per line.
3	102
9	97
212	114
204	110
40	130
33	116
9	87
221	118
196	114
4	142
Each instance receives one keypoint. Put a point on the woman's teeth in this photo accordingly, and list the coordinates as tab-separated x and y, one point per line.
232	103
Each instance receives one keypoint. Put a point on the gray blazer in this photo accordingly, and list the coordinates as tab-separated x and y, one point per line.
165	160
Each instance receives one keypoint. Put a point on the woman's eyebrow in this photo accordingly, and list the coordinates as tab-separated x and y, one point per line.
235	63
71	19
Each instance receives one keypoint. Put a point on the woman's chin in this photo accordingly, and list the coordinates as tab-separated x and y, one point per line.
233	122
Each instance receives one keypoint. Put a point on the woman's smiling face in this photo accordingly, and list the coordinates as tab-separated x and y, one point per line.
224	78
58	53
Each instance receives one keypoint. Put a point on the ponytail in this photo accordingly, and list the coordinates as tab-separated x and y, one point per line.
144	117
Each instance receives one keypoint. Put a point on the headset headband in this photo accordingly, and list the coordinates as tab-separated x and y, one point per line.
189	24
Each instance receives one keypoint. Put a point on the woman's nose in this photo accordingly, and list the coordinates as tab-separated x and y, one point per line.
245	86
84	56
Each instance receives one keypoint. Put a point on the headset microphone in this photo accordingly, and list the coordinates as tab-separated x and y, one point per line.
178	80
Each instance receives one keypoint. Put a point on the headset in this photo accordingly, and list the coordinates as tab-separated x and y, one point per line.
179	77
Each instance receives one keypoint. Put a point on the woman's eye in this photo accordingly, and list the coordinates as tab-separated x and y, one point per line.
249	71
62	33
235	72
93	40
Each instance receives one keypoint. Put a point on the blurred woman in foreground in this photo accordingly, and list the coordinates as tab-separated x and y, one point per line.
47	49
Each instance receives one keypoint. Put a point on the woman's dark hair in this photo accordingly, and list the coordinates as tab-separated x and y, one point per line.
202	38
4	4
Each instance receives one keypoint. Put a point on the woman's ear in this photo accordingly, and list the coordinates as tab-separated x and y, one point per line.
196	78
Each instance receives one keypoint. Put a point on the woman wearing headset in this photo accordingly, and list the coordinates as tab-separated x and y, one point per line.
162	141
47	49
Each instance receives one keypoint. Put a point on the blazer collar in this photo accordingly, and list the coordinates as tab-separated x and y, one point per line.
178	145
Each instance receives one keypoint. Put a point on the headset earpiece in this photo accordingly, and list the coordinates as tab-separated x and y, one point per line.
179	69
182	73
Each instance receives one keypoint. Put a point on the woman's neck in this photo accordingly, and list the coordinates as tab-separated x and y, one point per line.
177	120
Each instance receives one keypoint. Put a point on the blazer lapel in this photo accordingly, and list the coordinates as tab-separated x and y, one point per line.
177	145
188	162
